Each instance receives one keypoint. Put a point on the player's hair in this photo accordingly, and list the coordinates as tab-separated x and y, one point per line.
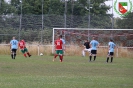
60	36
93	37
111	40
13	37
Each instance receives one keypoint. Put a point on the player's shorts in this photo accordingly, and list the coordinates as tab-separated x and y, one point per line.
14	50
24	50
59	52
89	50
110	53
93	51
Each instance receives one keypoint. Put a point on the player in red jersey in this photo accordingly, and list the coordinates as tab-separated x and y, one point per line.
59	49
23	48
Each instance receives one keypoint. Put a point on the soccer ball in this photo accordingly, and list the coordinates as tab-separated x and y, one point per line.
41	54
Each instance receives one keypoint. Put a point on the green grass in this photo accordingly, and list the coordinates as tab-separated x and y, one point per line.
73	72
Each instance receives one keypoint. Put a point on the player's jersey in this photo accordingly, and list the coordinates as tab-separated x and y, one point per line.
111	46
86	44
21	44
63	41
58	44
94	44
14	44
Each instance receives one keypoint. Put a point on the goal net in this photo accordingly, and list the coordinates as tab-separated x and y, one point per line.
76	36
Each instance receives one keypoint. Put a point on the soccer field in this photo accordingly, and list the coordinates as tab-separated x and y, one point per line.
73	72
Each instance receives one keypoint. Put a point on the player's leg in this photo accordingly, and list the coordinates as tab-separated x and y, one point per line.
26	50
112	54
108	55
23	52
94	53
61	55
12	53
89	50
56	54
91	55
83	52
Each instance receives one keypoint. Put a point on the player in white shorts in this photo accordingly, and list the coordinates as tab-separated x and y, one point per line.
87	47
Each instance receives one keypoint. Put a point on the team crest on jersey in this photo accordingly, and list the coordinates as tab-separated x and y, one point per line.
123	7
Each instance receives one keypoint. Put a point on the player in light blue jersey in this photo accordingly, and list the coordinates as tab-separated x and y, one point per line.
111	46
94	45
13	47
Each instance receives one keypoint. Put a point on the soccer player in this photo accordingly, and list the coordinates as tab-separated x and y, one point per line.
94	45
13	47
23	48
87	47
59	49
111	46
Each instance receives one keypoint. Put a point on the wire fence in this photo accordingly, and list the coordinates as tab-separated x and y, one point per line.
34	28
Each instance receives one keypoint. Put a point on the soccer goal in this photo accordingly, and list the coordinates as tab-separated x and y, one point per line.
76	36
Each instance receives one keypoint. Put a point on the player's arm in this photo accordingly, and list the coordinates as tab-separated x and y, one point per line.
98	45
90	45
115	46
10	46
24	44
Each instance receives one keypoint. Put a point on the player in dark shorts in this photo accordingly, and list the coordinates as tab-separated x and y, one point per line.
93	44
13	47
111	46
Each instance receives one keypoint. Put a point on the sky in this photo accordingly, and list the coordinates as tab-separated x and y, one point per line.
112	3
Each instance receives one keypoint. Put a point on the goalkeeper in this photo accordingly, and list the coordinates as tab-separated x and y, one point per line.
87	48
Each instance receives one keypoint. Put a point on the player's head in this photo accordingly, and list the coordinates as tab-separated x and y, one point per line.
57	37
60	36
22	40
13	37
86	40
93	37
111	40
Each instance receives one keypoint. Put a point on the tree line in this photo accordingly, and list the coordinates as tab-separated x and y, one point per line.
73	7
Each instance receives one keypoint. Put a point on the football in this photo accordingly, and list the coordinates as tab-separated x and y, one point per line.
41	54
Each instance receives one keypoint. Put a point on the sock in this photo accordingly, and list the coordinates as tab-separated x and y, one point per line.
55	55
90	58
94	58
107	59
12	56
61	58
28	53
111	59
25	55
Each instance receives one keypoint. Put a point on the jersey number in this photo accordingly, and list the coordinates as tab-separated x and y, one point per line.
58	43
14	43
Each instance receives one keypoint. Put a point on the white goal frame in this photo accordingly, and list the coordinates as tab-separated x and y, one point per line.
80	29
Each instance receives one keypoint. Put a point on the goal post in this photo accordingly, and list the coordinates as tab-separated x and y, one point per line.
76	36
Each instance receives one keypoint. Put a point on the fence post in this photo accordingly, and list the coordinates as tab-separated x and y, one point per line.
38	49
117	52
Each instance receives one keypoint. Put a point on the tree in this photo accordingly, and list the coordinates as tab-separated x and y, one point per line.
5	8
125	22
